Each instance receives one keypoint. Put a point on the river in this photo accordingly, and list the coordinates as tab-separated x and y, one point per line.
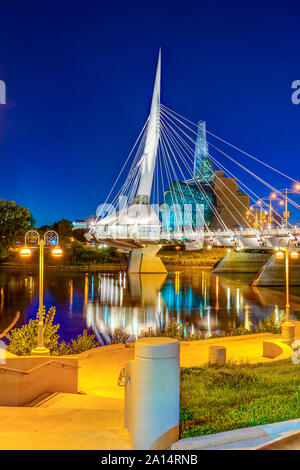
101	301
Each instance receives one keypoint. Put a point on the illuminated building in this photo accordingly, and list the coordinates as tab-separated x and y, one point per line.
210	189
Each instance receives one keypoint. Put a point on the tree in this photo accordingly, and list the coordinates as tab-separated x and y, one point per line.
15	220
78	234
64	228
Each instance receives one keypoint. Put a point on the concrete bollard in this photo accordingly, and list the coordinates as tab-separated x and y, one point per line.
288	332
152	394
217	355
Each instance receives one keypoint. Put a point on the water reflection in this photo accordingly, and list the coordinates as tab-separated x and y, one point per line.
102	301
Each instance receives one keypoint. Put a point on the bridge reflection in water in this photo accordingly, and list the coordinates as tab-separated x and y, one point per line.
135	302
103	301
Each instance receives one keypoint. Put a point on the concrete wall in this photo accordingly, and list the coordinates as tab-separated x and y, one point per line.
241	262
22	379
273	273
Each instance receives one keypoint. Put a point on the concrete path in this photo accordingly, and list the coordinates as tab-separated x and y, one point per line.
239	439
241	349
68	425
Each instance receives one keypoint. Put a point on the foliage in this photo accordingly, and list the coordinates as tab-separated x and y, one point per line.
15	220
80	255
83	343
64	228
172	330
78	234
119	336
23	340
221	398
180	331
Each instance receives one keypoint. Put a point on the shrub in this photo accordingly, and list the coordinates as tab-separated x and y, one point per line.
23	340
171	330
180	331
80	255
119	336
83	343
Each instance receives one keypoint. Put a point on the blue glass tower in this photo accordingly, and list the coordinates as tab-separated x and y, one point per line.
197	191
203	168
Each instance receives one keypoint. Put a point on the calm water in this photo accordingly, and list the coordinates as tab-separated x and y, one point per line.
103	301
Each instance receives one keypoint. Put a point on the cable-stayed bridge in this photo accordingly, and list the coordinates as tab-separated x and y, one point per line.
178	186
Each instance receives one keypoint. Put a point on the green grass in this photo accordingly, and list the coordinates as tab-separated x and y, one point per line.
216	399
202	257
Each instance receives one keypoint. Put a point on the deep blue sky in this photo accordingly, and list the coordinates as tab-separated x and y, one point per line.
79	76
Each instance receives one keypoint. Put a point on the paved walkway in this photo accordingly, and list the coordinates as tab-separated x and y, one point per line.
94	418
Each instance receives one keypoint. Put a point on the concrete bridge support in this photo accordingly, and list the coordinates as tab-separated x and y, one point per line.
273	273
144	260
241	262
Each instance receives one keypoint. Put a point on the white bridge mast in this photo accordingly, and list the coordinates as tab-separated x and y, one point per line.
148	158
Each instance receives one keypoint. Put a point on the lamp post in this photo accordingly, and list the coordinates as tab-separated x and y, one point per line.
272	196
50	238
288	328
258	223
284	194
279	195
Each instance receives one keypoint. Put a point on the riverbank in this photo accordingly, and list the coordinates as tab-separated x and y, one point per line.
173	260
63	268
199	258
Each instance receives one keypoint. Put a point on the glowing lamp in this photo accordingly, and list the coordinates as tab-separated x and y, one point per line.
279	255
209	247
294	254
57	251
25	251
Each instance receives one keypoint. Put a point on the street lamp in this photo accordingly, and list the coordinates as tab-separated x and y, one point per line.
280	196
284	194
50	238
287	326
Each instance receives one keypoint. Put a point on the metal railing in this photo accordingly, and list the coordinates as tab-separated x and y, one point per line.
5	369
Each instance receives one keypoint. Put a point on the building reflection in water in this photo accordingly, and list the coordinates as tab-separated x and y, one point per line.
247	320
71	297
2	299
137	302
105	301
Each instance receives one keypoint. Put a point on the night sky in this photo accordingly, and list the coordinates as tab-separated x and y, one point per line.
79	77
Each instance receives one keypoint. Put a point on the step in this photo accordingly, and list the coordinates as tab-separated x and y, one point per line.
65	428
44	400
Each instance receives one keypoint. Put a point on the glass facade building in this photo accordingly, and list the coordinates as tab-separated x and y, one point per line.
197	193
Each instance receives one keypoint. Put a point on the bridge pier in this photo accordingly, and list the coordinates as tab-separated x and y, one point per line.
144	260
241	262
273	273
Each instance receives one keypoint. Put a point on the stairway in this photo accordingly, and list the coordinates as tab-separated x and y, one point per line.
63	421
